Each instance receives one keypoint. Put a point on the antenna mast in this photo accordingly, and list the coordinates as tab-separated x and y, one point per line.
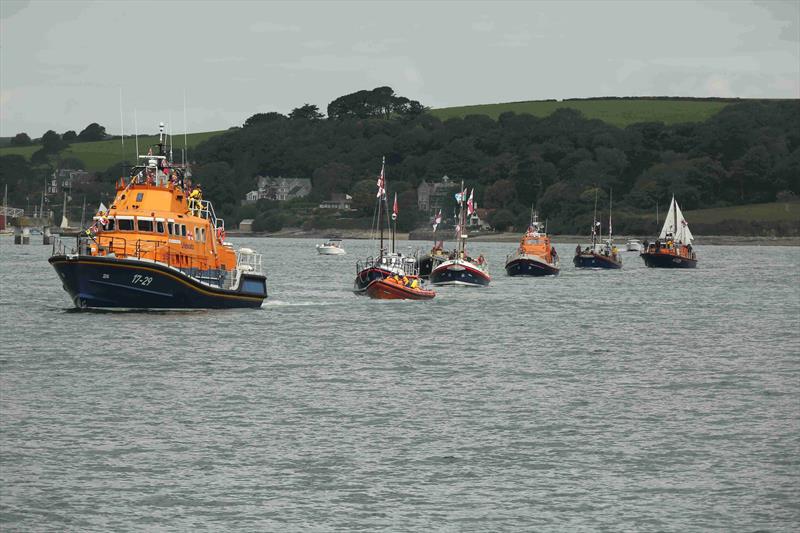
136	133
122	130
185	147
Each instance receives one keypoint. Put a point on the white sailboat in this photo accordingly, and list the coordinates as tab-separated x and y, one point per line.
673	248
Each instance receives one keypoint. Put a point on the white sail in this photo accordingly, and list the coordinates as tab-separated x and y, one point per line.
680	233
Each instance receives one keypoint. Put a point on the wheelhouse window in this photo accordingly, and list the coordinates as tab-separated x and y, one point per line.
160	226
111	225
125	224
169	228
183	230
144	225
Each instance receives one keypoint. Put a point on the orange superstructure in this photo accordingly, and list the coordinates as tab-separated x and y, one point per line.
160	222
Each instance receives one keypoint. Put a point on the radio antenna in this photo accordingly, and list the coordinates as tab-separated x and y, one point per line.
122	130
185	147
136	133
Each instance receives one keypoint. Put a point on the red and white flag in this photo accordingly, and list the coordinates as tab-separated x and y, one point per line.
470	208
382	181
437	220
394	208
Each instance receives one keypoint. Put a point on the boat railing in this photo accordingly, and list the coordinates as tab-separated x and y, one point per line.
248	260
151	250
408	264
205	210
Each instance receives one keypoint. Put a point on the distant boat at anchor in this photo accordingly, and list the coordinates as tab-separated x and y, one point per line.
331	247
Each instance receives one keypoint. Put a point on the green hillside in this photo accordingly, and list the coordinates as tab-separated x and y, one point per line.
771	212
617	111
100	155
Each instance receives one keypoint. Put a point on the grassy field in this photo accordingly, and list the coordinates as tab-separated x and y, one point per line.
100	155
614	111
771	212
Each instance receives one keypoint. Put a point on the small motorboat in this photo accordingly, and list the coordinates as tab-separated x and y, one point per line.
633	245
331	247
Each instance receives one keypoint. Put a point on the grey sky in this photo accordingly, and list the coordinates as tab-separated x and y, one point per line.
62	63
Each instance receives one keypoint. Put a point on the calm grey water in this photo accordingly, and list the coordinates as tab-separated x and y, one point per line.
637	400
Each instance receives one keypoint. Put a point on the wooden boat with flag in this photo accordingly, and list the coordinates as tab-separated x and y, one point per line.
673	248
535	255
159	246
460	268
389	275
601	253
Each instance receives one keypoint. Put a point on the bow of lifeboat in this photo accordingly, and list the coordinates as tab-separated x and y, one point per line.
460	272
531	265
593	259
679	256
534	257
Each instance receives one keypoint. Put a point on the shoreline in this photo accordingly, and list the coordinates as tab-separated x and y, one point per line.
703	240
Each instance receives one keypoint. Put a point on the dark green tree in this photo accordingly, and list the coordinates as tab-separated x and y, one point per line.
306	112
262	118
21	139
70	136
92	132
52	142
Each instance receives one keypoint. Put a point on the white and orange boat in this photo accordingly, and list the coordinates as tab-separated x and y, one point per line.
158	246
535	255
673	248
459	268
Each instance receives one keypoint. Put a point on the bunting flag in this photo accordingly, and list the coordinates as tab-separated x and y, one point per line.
382	181
394	208
470	208
437	220
459	197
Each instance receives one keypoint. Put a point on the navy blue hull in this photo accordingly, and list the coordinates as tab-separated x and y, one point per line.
122	283
367	276
667	261
528	267
595	261
466	276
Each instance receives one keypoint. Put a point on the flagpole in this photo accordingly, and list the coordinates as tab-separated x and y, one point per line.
394	220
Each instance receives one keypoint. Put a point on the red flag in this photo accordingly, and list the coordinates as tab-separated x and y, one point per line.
470	204
394	208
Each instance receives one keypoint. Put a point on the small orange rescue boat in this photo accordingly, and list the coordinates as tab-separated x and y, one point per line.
396	288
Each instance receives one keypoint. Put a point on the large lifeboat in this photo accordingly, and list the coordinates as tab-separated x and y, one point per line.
535	256
673	248
159	245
